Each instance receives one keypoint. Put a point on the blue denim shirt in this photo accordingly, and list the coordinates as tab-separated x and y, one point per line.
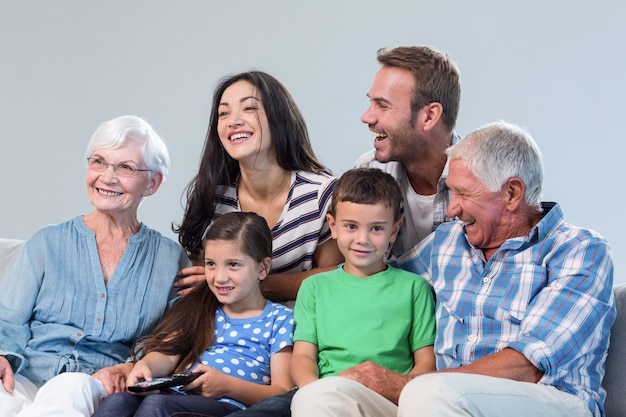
56	313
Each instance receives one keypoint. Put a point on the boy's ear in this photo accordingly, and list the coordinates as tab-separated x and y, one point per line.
395	230
264	268
333	225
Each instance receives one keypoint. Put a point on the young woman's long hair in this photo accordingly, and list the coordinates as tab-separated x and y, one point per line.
188	327
290	140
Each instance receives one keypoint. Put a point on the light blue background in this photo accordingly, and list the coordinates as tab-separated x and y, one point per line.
556	68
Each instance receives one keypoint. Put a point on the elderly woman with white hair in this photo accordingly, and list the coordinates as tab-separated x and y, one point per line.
82	291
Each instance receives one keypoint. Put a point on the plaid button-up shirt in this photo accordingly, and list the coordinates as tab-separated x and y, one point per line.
547	295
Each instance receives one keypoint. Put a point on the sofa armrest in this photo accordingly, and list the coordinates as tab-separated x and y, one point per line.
615	404
9	248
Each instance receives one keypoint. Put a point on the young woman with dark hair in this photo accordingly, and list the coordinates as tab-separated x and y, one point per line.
257	157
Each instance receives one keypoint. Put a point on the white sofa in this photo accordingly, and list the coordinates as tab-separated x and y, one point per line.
614	380
8	251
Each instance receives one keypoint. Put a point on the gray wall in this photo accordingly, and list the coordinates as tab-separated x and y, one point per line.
556	68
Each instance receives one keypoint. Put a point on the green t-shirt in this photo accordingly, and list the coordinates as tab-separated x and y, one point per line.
383	318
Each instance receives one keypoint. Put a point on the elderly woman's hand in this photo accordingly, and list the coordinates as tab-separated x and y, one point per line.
6	375
190	277
114	377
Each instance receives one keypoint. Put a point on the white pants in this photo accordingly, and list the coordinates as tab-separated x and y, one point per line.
437	395
70	394
340	397
456	394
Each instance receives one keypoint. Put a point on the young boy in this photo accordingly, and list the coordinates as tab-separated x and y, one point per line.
363	311
366	310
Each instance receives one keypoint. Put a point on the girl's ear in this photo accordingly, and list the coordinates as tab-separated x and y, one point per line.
264	268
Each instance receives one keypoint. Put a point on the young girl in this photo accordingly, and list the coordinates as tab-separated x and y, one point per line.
226	329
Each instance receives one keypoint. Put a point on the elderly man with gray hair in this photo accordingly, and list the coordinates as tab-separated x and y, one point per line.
524	301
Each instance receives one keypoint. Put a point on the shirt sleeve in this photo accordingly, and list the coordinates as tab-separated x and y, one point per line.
423	331
417	259
183	262
304	313
282	330
568	316
325	200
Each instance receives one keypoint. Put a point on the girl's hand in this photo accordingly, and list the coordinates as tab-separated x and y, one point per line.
140	372
211	384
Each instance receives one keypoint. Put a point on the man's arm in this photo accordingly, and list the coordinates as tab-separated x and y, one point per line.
386	382
508	363
382	380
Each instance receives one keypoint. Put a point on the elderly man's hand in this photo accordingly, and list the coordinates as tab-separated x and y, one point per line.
114	377
379	379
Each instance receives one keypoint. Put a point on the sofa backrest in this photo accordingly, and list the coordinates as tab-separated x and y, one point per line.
615	378
9	248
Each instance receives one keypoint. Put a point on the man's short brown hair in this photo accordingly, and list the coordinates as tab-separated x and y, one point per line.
437	78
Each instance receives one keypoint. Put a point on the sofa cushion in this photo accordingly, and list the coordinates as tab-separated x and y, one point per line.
9	249
615	404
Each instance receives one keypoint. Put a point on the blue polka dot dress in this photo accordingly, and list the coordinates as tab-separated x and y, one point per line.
243	346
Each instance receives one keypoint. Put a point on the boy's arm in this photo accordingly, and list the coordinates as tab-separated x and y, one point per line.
304	369
424	359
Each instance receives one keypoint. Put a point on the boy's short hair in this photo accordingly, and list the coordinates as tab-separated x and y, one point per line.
368	186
